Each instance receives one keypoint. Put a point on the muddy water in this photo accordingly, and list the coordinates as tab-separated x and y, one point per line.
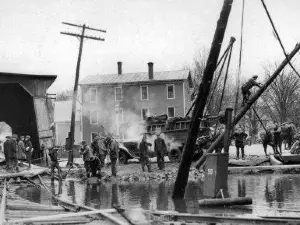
269	193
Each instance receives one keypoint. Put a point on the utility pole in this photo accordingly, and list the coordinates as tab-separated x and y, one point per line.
200	102
82	36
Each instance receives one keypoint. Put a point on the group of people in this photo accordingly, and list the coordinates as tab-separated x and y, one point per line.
94	156
17	149
160	149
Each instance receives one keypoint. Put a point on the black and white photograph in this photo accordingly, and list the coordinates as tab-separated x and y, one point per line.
137	112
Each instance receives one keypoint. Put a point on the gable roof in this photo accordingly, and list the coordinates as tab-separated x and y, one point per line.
135	77
62	111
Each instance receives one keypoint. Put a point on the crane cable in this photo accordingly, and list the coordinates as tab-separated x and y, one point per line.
240	62
277	36
216	83
225	79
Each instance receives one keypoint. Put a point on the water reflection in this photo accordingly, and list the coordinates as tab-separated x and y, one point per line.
241	188
267	191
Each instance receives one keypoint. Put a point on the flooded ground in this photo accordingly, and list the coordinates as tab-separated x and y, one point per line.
269	192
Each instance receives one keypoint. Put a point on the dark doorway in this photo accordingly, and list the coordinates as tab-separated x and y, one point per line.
17	110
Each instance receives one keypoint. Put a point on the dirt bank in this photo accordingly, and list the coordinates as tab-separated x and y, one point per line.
133	173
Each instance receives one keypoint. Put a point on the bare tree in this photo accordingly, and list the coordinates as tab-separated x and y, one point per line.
280	101
64	95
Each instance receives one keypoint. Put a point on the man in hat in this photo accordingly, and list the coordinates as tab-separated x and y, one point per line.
113	149
102	151
14	152
95	145
7	151
21	148
246	88
28	150
86	155
160	148
144	154
54	162
240	138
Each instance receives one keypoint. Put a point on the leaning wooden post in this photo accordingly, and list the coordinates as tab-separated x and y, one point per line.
3	203
251	101
228	127
185	164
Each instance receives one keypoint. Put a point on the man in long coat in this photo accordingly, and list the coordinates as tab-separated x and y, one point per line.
144	154
28	150
160	148
113	149
14	152
7	151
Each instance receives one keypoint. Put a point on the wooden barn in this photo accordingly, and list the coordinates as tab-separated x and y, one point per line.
24	106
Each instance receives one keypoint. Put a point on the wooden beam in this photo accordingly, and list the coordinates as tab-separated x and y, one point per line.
69	215
3	204
250	103
204	88
175	216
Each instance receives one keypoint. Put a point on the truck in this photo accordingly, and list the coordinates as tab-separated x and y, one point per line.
175	133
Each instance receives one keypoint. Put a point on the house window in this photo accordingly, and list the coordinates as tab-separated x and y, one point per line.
171	112
118	94
170	91
94	117
93	135
119	116
144	92
93	95
144	113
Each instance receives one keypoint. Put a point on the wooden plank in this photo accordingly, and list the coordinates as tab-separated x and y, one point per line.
3	204
175	216
28	207
245	169
69	215
225	201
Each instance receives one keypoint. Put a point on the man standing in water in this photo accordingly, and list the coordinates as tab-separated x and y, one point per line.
144	155
54	163
160	148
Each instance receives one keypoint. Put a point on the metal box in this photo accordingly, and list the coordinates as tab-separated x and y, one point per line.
216	174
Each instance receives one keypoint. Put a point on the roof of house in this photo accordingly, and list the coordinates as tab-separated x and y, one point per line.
62	111
135	77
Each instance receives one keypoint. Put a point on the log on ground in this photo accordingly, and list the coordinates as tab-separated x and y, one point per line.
225	201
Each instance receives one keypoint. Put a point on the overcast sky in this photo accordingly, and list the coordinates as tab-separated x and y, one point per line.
168	33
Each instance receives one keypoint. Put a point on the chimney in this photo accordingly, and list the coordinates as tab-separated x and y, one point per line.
119	68
150	70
